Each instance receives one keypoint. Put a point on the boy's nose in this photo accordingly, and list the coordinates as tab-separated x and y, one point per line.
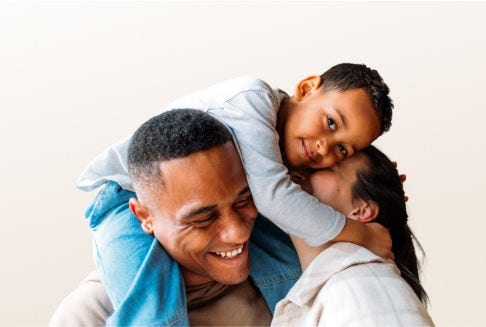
322	147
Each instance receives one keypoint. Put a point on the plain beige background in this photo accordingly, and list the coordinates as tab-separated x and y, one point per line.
76	77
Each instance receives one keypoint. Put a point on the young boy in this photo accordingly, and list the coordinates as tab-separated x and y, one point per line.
329	118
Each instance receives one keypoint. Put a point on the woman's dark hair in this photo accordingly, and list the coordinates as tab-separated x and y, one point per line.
378	180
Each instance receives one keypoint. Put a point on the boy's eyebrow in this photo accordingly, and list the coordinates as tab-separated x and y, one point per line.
198	211
341	117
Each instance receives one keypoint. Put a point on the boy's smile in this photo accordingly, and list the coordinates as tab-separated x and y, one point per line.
319	128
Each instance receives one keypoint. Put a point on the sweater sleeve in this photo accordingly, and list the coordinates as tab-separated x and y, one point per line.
252	119
110	165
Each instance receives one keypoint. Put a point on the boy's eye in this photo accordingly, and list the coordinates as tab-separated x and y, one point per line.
331	123
343	150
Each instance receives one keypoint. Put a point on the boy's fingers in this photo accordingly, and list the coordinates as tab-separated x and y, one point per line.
403	177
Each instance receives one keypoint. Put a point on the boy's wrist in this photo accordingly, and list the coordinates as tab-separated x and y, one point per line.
354	232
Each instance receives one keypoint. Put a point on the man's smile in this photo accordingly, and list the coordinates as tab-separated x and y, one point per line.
231	254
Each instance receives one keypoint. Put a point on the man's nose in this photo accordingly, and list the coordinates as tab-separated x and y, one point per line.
234	228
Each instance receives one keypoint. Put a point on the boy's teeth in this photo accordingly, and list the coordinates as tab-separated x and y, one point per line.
230	254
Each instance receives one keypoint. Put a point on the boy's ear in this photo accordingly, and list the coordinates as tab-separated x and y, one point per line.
142	214
365	212
307	86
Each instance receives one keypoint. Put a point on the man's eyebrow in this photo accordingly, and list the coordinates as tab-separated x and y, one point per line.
198	211
246	189
201	210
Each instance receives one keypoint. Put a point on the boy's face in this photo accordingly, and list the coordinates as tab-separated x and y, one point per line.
324	127
203	215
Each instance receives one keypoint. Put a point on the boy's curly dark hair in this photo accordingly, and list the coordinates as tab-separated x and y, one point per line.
348	76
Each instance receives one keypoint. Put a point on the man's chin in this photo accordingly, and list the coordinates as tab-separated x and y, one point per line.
232	275
229	270
234	279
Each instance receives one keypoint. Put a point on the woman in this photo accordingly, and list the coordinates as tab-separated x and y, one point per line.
343	283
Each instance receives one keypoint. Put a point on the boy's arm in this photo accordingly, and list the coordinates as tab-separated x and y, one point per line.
378	243
252	120
110	165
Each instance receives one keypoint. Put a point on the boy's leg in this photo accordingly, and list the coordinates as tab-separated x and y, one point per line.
142	281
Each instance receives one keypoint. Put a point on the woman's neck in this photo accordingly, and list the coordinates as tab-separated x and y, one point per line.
306	252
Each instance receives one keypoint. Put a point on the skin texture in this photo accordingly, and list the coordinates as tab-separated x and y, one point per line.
333	186
204	207
320	128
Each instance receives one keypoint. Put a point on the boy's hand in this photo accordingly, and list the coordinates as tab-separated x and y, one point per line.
403	177
372	236
378	240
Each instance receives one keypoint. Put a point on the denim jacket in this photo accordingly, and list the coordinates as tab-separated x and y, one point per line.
147	287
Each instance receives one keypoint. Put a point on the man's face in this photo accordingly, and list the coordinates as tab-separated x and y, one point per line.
203	215
324	127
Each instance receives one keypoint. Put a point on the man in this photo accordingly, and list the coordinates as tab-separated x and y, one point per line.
192	195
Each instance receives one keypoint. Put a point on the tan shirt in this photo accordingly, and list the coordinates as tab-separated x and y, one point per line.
210	304
215	304
87	305
347	285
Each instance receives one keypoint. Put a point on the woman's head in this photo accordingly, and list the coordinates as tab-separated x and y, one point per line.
367	187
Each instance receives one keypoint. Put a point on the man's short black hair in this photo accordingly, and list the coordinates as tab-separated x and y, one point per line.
173	134
347	76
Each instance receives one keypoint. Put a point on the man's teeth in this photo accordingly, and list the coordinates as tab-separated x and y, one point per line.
230	254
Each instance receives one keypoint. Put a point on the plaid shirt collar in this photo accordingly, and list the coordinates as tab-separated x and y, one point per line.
336	258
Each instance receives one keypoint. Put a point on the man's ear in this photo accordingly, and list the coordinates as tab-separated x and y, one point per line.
366	211
307	86
142	214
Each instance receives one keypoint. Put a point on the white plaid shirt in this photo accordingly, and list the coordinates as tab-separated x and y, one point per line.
347	285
